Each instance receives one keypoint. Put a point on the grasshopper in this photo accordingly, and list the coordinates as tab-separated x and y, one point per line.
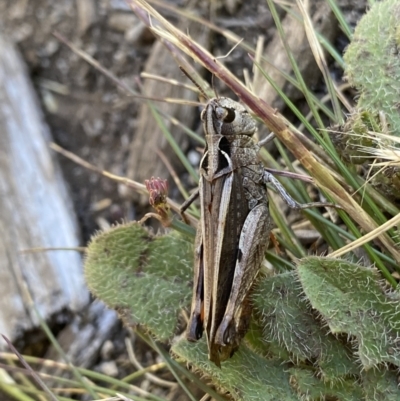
234	229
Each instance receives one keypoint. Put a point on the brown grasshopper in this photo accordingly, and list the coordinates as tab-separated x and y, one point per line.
233	232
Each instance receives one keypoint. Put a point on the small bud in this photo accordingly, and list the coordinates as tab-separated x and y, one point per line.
158	190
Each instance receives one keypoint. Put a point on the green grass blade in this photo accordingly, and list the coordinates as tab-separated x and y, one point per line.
168	360
61	352
280	264
340	17
172	364
294	64
289	240
327	146
321	38
321	62
333	240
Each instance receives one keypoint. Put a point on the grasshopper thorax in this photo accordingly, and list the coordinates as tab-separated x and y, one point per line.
224	116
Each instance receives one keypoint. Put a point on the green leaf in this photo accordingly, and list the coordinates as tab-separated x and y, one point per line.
352	300
372	62
380	384
287	318
145	277
247	376
310	388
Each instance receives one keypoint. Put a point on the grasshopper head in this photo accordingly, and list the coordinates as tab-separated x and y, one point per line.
224	116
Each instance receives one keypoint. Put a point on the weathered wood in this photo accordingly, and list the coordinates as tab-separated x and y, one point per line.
35	210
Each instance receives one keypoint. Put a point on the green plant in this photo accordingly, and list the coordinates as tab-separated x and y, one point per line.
373	67
323	328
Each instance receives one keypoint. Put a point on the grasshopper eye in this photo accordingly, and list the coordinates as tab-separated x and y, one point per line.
230	116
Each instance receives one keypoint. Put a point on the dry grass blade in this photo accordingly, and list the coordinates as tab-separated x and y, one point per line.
30	370
368	237
386	148
90	378
270	117
170	81
118	81
38	250
151	377
123	398
141	188
320	60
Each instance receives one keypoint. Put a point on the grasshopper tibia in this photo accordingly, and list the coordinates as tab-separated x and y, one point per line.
269	178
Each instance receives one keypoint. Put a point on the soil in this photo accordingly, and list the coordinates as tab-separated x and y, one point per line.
87	114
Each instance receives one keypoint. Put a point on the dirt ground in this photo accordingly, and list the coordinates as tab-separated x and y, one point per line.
87	114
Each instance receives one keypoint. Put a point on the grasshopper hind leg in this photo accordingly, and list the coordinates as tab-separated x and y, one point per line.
253	243
293	204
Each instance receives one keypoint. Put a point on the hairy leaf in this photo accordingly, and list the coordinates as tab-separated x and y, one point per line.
352	300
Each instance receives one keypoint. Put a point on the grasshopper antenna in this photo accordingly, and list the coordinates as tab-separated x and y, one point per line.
213	86
219	58
195	83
